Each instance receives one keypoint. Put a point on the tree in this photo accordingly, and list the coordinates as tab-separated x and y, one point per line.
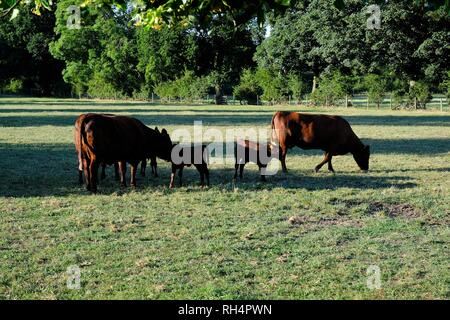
24	54
376	87
157	12
248	89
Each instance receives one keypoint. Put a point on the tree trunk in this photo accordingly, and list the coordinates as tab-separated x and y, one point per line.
314	86
218	96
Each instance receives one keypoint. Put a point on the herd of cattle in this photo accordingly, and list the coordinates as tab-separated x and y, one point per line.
106	139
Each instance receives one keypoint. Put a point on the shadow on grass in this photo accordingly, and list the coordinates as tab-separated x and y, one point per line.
51	170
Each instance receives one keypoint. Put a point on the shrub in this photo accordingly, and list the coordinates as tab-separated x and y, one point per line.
420	93
248	89
331	88
14	86
376	87
274	86
296	86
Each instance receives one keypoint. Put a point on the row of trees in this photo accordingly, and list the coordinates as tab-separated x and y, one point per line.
314	47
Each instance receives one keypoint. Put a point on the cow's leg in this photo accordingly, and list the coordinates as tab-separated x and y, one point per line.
283	153
93	168
103	174
325	160
116	171
123	171
133	166
330	166
143	167
154	166
172	176
87	174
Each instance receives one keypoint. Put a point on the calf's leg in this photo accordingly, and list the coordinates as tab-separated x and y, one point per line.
172	176
154	166
241	170
123	171
133	166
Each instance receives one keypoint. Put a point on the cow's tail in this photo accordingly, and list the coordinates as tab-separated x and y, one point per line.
274	135
80	150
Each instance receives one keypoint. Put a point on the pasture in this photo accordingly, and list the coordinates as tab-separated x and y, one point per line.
300	235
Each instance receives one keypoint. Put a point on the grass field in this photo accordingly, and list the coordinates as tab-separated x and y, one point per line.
300	235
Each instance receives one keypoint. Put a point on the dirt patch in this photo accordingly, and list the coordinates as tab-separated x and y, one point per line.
313	224
403	210
392	210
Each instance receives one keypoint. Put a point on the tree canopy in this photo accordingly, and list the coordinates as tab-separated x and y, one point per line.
155	13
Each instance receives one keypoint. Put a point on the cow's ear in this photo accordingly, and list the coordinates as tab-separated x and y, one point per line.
164	131
156	129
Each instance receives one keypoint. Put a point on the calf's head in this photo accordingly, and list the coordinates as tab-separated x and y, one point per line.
362	158
164	144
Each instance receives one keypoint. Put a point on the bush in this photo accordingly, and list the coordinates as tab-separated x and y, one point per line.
187	87
248	89
420	93
376	87
296	86
331	89
14	86
274	86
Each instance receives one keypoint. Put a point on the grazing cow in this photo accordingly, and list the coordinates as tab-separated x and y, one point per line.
246	151
332	134
187	155
113	139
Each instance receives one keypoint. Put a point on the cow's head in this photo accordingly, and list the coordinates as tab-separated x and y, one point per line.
362	158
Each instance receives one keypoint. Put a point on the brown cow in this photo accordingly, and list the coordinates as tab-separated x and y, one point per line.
246	151
113	139
331	134
104	165
187	155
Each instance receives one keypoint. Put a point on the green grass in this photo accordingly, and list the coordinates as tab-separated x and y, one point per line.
303	235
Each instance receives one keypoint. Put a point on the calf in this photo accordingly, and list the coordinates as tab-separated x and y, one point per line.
332	134
187	155
246	151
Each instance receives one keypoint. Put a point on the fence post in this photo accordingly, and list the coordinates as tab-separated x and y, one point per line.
442	104
367	103
346	100
390	101
257	100
153	98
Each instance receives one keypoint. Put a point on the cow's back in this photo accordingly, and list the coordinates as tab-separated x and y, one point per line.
114	138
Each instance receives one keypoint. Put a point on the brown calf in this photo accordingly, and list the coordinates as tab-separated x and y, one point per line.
187	155
246	151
